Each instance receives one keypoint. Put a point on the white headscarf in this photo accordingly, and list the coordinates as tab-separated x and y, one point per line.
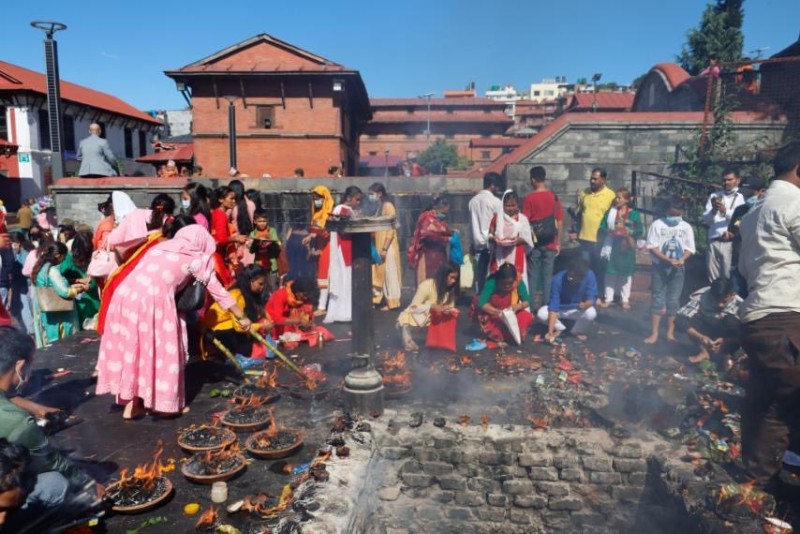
123	205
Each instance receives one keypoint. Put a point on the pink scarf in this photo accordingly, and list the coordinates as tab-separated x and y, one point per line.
196	247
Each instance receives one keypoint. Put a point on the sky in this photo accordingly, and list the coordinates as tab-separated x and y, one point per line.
402	49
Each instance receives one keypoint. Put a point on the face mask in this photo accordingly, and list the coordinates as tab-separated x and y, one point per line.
752	201
185	203
373	198
318	203
673	220
441	216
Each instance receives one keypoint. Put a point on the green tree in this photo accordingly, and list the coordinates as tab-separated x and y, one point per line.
719	35
438	157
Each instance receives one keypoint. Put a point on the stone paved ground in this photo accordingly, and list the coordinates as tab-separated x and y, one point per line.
593	465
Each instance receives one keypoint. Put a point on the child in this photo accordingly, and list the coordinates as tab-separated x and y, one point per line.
671	242
249	293
622	226
266	246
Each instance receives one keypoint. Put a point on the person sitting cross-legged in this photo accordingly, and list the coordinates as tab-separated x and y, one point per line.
504	291
572	296
711	319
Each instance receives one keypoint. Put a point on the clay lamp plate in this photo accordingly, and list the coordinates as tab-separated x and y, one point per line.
395	391
300	391
247	391
239	463
289	440
224	438
145	506
259	421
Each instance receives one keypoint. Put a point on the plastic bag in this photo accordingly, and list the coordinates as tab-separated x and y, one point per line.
467	275
456	253
442	332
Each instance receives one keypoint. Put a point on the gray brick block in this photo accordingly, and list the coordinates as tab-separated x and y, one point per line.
565	503
543	473
597	463
452	482
459	514
535	460
637	479
571	474
469	498
483	484
629	450
520	517
417	480
518	487
395	453
496	458
630	466
566	461
425	454
496	499
605	478
553	489
530	501
494	515
627	493
437	468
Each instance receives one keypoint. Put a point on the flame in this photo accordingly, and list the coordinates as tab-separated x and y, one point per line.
145	475
747	494
264	439
463	420
398	361
314	378
208	519
465	360
539	423
485	421
268	380
221	455
396	370
252	400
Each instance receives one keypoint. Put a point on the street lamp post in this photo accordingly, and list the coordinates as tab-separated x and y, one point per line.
595	78
231	131
56	128
428	97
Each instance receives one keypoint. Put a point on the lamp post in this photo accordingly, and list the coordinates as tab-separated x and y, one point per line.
231	131
56	129
595	78
428	97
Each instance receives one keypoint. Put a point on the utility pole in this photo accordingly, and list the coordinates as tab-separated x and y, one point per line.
56	128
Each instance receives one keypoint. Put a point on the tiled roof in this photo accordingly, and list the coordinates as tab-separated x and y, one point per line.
441	117
181	152
564	121
14	78
482	142
672	73
230	60
605	101
435	102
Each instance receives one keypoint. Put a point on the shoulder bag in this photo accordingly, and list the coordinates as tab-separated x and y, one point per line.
545	230
192	297
50	301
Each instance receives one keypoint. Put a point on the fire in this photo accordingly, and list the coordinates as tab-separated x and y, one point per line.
268	379
402	379
265	438
463	420
465	360
485	421
396	371
208	520
221	455
539	423
252	400
398	361
747	494
145	475
314	378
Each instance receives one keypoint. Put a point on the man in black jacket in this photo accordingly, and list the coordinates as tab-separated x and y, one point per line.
753	190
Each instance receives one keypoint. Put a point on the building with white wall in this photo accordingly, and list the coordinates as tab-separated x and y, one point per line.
24	125
506	94
549	89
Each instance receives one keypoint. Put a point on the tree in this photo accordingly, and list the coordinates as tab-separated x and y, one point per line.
719	35
438	157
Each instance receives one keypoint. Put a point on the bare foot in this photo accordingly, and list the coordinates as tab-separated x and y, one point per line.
699	357
602	304
133	410
626	306
671	339
652	340
411	346
320	313
581	337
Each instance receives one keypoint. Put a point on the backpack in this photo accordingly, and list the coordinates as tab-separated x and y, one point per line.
545	230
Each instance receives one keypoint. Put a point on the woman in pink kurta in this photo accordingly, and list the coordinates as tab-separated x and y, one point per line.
142	349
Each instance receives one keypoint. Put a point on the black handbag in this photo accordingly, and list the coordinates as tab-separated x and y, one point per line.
545	230
192	297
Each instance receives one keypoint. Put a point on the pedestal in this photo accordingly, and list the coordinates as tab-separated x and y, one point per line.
363	385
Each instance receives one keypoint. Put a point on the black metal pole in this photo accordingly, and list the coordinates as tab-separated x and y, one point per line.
363	332
232	133
55	127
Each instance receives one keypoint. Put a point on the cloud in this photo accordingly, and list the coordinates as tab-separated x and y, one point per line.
108	55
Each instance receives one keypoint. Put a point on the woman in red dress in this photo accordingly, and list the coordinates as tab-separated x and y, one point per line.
503	291
430	242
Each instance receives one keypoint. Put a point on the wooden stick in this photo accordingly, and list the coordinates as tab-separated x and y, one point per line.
228	354
289	363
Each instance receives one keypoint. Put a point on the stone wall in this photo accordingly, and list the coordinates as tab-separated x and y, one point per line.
512	479
570	155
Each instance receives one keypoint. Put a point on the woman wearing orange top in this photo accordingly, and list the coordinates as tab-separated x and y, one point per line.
318	240
291	309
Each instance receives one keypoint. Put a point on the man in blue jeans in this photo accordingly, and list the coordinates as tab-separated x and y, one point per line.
482	207
539	206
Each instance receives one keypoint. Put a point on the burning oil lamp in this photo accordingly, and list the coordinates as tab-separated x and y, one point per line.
363	385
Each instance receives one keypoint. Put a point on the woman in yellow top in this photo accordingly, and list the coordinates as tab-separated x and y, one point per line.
249	293
386	277
434	295
318	240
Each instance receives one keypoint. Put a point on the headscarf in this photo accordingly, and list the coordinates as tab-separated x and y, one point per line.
123	205
196	247
320	216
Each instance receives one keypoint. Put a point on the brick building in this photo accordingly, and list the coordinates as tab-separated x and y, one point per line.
399	125
293	109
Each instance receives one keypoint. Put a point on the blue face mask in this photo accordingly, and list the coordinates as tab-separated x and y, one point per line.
373	198
673	220
752	201
441	216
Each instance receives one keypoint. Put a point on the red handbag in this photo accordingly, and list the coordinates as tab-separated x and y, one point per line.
442	331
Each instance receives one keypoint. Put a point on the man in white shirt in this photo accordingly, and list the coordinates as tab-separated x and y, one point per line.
719	210
482	207
770	262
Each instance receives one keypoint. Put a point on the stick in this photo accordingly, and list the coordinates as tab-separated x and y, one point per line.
289	363
228	354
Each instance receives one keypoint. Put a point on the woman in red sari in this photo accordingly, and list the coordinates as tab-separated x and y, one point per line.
225	259
291	309
503	291
430	242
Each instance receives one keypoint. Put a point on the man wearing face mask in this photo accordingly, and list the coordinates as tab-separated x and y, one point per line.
717	217
18	427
